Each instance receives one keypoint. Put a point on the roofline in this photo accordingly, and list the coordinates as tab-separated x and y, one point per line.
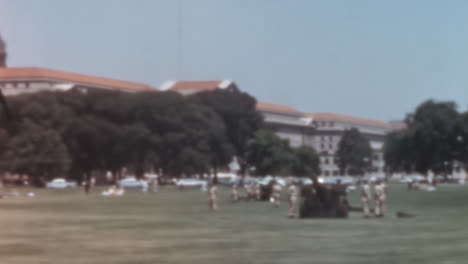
296	114
87	85
44	74
341	117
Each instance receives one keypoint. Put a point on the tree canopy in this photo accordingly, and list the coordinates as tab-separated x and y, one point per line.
76	133
354	153
435	137
271	155
100	130
238	111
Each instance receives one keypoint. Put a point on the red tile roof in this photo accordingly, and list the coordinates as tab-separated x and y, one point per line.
276	108
195	85
346	118
42	73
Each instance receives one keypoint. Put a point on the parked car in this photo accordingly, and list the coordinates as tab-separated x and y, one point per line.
130	182
190	182
60	183
227	178
346	180
266	180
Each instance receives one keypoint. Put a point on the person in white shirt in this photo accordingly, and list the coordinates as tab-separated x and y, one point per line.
293	193
366	197
380	197
276	194
213	196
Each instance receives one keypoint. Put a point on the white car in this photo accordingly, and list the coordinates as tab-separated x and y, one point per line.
130	182
190	183
266	180
227	177
60	183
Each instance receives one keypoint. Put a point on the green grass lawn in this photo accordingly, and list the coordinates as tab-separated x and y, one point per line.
65	226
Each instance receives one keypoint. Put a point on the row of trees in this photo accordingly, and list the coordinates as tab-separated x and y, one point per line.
436	138
75	133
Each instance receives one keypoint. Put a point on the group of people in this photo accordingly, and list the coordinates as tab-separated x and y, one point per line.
377	193
252	190
255	191
371	194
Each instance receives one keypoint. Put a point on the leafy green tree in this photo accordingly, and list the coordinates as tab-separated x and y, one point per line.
431	136
354	153
37	152
269	154
397	152
189	137
306	162
241	119
460	139
108	130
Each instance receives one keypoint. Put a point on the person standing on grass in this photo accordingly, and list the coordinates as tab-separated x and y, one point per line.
87	184
154	184
380	197
248	191
234	193
366	197
144	185
213	195
258	191
276	194
293	193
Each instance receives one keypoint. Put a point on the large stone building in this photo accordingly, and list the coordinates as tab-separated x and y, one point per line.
288	123
329	130
20	80
14	81
322	131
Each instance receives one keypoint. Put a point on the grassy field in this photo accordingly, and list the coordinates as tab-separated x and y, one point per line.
65	226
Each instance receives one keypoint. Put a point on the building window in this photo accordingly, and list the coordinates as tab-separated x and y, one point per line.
330	146
322	146
326	173
332	124
376	157
335	173
326	160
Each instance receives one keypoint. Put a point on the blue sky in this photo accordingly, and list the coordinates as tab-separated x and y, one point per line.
375	59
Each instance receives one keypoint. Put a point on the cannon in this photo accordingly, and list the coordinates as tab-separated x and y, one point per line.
323	201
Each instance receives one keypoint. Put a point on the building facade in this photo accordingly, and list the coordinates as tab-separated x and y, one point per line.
322	131
329	130
288	123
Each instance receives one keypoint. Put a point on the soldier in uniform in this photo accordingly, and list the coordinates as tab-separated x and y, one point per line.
276	194
380	197
366	197
258	191
213	195
249	191
234	193
155	184
293	193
